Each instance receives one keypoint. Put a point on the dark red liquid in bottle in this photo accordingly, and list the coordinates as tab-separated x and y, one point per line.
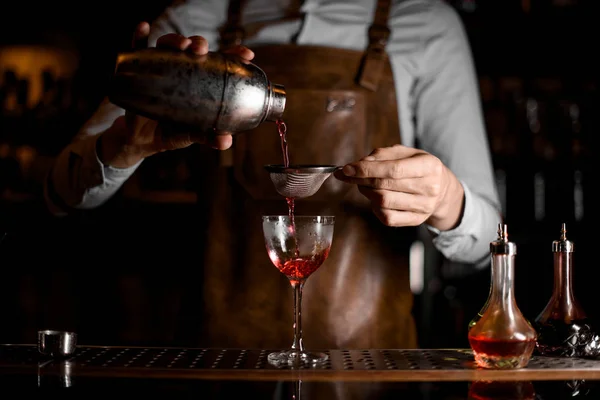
501	348
563	328
558	338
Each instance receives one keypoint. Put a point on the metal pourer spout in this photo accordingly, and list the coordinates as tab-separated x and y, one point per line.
503	232
501	245
563	245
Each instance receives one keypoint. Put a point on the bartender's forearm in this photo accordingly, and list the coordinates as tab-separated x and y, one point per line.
79	180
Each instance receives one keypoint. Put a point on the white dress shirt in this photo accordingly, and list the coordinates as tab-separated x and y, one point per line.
438	98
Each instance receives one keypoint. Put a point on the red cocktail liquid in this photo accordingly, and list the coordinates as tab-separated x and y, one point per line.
495	353
291	206
299	269
282	130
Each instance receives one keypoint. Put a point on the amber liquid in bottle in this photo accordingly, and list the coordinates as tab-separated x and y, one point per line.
502	338
563	327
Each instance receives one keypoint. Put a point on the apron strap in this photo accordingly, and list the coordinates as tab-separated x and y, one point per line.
232	34
375	57
382	12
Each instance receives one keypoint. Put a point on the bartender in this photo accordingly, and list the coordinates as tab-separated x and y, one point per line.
386	89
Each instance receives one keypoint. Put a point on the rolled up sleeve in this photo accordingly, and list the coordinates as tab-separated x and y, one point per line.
469	241
78	179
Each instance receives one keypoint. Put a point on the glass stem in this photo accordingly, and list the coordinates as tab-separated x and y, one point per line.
298	344
297	387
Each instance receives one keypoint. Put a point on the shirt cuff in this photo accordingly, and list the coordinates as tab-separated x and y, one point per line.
462	243
93	172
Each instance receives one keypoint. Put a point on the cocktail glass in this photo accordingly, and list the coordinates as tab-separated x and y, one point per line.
297	246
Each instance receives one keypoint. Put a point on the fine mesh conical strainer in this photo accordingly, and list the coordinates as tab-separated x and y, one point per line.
299	181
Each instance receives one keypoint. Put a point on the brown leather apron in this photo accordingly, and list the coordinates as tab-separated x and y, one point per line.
341	104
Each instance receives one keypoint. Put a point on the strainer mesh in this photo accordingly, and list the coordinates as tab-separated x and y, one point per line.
298	185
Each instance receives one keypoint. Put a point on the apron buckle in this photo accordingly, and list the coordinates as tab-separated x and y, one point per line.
371	69
372	64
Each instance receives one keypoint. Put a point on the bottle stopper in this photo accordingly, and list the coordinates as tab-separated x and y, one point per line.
501	245
563	245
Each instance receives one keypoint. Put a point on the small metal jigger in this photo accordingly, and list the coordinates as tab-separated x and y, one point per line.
57	344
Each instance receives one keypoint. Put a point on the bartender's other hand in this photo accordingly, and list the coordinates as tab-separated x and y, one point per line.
407	187
146	137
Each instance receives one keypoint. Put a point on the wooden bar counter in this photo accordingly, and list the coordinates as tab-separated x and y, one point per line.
216	373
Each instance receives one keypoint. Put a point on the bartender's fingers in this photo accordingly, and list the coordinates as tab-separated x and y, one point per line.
398	218
417	166
199	45
241	51
426	186
221	141
175	138
173	41
397	209
387	199
140	35
395	152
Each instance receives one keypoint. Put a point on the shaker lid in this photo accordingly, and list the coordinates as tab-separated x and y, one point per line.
563	245
501	245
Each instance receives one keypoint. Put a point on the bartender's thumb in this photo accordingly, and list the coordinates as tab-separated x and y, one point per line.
140	36
222	141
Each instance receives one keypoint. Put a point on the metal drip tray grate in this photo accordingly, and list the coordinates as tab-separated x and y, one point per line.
338	359
451	364
257	359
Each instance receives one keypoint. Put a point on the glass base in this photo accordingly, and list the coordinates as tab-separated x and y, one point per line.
296	357
498	362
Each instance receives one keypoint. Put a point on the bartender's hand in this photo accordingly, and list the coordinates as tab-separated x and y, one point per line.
407	187
132	137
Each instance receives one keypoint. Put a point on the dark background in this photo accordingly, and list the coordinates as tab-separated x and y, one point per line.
536	62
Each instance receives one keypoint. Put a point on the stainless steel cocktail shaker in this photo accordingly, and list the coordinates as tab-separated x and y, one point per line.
215	91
